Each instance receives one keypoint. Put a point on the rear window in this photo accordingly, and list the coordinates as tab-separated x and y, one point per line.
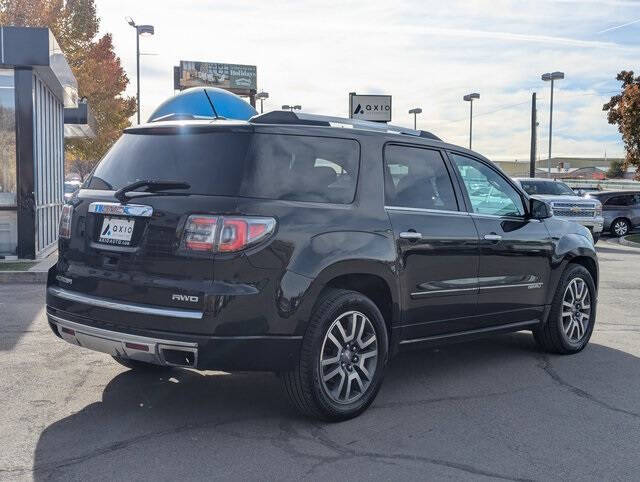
267	166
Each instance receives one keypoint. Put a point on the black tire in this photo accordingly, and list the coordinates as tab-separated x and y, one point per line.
303	384
551	336
140	365
624	227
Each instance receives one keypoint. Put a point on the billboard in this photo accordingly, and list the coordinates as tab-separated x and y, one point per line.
376	108
232	77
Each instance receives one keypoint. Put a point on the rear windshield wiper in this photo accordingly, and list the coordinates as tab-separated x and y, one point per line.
152	186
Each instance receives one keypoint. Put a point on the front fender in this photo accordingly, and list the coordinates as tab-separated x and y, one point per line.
567	248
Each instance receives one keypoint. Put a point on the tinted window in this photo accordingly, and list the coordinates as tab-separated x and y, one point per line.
620	201
417	178
300	168
488	191
547	187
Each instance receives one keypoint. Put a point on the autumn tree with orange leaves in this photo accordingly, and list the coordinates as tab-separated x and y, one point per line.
94	63
623	110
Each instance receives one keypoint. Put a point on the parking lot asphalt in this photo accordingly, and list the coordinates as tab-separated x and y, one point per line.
496	408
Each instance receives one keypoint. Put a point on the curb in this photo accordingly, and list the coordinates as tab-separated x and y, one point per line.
623	241
8	277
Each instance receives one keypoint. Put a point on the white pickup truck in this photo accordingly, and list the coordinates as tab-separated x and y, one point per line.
565	203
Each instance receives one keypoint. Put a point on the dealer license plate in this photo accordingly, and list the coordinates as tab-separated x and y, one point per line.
116	231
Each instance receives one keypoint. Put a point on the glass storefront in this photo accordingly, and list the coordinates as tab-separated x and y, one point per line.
7	139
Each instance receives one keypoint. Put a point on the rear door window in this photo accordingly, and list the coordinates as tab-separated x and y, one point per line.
417	178
620	201
243	164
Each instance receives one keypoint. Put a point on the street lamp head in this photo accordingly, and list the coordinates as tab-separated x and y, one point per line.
262	95
286	107
470	97
552	76
297	107
142	29
417	110
130	21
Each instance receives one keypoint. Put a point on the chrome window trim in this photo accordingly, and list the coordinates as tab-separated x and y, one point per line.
496	216
117	209
128	307
425	210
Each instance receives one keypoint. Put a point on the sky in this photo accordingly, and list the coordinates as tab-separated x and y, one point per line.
425	54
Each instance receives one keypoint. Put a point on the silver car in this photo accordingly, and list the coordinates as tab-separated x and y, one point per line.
566	203
621	210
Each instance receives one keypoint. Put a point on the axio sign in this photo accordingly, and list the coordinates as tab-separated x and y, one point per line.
376	108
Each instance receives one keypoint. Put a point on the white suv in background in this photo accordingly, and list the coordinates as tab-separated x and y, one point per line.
566	204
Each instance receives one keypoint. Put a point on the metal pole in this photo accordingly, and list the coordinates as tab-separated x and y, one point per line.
470	122
138	69
534	140
414	120
261	109
550	130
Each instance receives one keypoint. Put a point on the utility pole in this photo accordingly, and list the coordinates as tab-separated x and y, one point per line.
534	137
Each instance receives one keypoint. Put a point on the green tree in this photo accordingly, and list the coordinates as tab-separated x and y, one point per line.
94	63
623	110
617	169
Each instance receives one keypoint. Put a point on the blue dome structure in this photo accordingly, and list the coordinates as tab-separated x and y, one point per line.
204	102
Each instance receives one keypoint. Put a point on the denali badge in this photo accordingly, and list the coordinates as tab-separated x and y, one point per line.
192	299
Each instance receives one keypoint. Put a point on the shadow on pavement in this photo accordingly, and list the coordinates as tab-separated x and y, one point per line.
188	419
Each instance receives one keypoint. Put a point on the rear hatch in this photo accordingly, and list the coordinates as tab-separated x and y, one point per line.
134	251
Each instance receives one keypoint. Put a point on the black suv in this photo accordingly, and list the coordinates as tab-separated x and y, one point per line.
290	244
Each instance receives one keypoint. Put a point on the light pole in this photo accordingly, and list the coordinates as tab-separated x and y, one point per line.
415	113
140	29
291	107
261	96
469	98
551	76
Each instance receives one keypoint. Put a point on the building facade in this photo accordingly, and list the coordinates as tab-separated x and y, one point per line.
36	86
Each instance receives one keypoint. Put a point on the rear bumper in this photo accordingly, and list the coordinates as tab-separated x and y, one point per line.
230	353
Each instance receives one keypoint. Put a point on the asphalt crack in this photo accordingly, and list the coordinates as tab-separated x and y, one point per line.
545	365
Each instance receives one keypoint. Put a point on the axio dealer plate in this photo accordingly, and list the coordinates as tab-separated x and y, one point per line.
116	231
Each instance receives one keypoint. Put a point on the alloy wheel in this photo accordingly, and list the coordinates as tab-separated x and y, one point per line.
348	357
621	228
576	310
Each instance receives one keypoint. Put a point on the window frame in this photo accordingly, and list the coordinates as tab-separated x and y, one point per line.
524	198
457	193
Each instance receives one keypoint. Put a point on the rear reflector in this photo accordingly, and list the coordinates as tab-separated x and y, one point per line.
225	234
68	331
137	346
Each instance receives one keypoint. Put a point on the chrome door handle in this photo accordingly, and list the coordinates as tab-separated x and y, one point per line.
493	237
410	235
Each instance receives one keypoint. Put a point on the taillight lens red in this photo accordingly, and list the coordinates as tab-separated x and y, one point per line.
225	234
200	232
64	228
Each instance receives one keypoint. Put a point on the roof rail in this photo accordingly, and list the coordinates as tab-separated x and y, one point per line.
287	117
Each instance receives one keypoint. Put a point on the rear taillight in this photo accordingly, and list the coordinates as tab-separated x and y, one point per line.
64	229
225	234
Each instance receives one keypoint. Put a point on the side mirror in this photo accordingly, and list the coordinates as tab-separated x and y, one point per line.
540	209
